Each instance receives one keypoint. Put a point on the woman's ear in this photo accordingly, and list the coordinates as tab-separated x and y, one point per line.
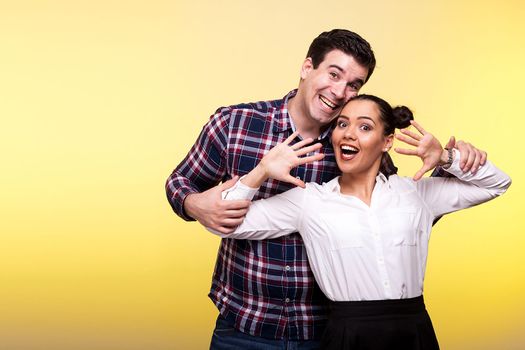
389	141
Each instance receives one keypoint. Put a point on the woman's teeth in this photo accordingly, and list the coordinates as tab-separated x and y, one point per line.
349	150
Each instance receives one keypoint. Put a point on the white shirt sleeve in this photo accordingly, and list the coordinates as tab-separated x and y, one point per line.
446	195
273	217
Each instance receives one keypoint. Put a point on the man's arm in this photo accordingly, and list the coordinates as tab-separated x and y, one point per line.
193	188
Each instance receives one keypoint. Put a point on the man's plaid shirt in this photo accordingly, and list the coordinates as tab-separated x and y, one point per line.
264	288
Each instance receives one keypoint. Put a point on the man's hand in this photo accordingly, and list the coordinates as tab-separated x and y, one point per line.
471	157
212	211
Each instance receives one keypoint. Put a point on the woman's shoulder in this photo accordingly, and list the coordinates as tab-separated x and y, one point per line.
401	183
325	187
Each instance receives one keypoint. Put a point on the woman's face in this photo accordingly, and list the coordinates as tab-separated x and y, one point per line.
358	138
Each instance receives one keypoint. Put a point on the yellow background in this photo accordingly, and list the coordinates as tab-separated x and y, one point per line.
100	100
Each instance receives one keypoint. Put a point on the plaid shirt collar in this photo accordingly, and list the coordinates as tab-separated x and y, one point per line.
283	121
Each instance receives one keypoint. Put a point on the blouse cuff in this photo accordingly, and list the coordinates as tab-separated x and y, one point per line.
454	168
239	191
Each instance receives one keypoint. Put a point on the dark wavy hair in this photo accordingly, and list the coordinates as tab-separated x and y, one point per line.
348	42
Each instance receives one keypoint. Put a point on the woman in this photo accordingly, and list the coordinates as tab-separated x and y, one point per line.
367	235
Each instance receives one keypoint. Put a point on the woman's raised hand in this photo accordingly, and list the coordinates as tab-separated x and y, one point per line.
278	162
428	148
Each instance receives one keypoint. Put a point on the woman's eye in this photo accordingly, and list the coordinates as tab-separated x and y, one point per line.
341	124
366	127
333	74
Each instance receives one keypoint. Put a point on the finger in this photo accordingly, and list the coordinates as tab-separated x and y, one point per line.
309	149
229	184
418	127
406	151
310	159
302	143
469	160
451	143
224	230
477	161
295	181
407	139
231	222
483	158
412	134
235	214
419	174
234	204
464	150
291	138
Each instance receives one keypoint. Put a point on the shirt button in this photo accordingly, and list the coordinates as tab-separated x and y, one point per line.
287	267
287	300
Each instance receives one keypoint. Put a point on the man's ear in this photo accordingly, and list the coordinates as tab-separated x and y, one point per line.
307	67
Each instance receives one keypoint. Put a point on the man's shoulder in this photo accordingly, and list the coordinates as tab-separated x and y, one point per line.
259	107
257	117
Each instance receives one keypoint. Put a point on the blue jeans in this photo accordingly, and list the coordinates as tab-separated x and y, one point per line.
225	337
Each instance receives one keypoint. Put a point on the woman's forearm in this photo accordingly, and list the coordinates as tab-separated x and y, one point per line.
256	177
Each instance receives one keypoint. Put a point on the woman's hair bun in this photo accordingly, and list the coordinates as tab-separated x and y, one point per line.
402	117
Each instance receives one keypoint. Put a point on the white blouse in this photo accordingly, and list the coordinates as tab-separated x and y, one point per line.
361	252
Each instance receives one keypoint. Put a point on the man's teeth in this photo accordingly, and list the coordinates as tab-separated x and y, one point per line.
328	103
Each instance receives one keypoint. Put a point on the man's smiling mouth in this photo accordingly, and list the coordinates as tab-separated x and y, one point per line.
328	103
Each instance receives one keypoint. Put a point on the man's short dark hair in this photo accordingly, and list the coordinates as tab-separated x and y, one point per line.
348	42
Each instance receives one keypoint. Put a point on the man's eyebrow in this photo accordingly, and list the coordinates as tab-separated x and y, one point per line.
336	67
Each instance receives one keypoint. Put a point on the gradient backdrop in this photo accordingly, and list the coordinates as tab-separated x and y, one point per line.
100	100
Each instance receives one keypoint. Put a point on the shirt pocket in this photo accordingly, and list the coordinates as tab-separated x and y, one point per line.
403	225
343	230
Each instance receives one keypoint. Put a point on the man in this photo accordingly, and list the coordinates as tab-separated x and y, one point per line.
264	290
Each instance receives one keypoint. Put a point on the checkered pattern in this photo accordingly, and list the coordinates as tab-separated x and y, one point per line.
265	288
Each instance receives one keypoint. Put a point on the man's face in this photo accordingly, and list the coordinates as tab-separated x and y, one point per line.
327	88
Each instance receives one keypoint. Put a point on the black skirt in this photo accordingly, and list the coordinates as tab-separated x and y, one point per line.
401	324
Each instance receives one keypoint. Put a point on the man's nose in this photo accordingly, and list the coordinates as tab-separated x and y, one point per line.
339	90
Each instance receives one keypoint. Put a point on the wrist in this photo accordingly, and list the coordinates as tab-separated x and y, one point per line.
447	157
256	177
188	205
